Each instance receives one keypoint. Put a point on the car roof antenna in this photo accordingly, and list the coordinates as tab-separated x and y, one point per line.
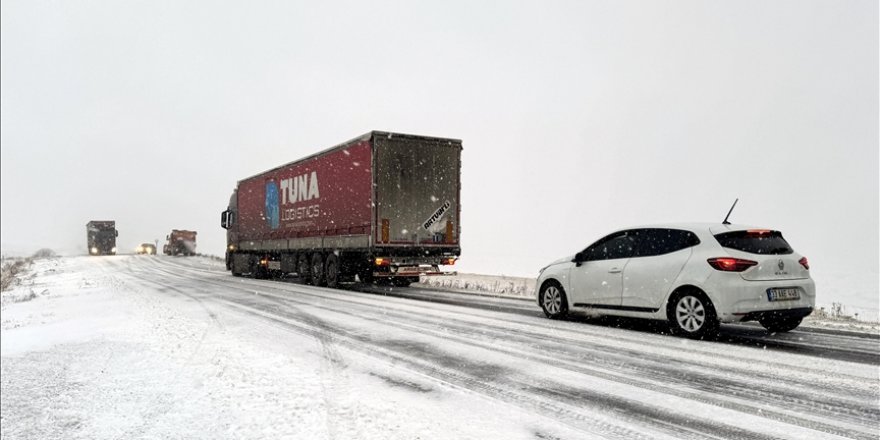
725	222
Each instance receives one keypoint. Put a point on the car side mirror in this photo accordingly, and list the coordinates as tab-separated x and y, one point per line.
117	233
579	258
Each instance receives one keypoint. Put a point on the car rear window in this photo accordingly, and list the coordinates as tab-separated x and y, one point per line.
763	242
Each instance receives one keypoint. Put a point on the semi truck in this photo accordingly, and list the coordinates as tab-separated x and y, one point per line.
180	242
380	207
101	237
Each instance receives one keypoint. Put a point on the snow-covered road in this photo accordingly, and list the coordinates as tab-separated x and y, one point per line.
156	347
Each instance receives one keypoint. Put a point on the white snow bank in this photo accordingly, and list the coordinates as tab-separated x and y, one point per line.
495	285
849	294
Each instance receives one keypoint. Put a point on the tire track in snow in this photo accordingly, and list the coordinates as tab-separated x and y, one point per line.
322	294
341	415
561	359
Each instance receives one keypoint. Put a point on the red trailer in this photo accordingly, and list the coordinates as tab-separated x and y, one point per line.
383	205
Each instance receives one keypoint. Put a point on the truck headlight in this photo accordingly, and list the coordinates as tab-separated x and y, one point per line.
113	250
94	250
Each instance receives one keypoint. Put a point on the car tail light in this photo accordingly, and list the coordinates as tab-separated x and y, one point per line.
804	262
727	264
383	261
449	261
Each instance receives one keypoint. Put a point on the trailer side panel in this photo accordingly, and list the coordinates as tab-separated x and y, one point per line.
328	195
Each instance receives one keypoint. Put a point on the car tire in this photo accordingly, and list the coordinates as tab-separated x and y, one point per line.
553	301
780	325
332	271
692	315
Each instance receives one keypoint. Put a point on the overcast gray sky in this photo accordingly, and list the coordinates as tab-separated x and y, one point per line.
577	118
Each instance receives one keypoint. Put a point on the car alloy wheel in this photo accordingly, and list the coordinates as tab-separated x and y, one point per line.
553	301
690	314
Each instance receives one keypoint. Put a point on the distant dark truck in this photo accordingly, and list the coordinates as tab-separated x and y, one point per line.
380	206
180	242
101	237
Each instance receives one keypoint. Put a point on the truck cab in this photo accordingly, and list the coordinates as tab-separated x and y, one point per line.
101	237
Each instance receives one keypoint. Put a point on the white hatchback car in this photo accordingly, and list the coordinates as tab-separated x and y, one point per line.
694	276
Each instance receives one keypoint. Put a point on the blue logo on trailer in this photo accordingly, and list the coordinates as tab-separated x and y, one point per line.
272	214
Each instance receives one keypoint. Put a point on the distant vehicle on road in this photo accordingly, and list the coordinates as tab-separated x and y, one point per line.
180	242
101	237
694	276
146	249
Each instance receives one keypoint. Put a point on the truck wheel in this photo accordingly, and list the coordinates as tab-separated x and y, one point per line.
260	272
317	269
236	271
332	271
254	267
304	269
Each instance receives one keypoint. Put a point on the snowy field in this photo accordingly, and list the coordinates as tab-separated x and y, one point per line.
175	348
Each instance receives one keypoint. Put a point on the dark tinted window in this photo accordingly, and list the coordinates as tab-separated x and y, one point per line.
755	242
611	248
651	242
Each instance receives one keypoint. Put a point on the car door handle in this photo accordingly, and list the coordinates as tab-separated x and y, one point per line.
614	270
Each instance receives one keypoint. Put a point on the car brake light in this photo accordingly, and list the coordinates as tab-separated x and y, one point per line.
727	264
804	262
383	261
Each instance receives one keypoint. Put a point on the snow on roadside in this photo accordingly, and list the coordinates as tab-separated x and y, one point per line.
101	354
22	276
494	285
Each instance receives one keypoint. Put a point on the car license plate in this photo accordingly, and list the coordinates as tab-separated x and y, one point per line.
785	294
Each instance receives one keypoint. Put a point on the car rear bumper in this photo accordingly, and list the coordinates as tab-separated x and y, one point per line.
747	300
775	314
